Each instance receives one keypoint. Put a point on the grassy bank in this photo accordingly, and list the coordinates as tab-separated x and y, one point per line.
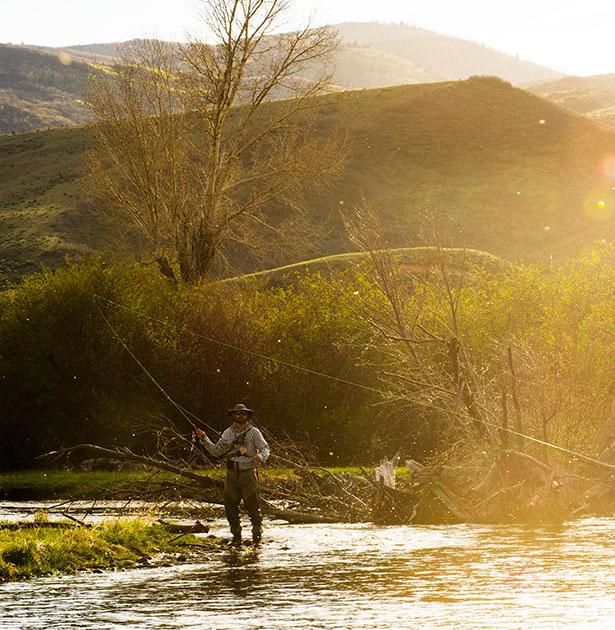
29	553
53	484
48	484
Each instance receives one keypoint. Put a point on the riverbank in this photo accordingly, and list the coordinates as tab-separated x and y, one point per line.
40	485
32	552
29	485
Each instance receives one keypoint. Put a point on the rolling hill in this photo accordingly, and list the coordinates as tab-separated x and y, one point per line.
43	87
499	169
357	66
592	96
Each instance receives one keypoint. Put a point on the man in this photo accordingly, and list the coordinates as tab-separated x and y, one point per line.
244	448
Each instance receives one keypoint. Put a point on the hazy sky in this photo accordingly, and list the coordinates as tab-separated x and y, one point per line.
567	35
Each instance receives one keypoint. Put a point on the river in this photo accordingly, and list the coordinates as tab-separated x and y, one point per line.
358	576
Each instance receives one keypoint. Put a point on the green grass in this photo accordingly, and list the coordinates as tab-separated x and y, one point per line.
54	484
416	259
29	553
473	154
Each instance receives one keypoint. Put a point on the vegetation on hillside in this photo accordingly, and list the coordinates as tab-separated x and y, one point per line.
593	96
499	169
40	90
355	66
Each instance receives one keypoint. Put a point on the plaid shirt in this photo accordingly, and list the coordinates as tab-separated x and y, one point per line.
230	442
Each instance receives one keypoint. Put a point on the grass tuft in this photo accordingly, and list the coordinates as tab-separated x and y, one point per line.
41	551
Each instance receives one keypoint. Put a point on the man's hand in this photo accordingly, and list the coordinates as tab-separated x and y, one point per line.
258	458
200	434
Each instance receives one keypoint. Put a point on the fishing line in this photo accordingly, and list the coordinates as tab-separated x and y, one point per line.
585	458
185	412
259	355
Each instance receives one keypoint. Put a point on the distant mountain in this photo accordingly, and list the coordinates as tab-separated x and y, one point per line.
592	96
443	56
500	169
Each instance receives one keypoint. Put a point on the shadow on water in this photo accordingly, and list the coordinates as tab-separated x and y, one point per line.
242	573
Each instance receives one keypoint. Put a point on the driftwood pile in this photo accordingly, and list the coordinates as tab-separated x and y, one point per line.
503	487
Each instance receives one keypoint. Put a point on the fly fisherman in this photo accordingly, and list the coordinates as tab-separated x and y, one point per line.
244	448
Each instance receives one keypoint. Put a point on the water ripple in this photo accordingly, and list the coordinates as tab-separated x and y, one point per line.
350	577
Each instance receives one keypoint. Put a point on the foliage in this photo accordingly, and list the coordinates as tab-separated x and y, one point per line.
526	349
66	379
61	378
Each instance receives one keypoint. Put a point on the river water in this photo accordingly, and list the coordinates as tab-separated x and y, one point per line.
358	576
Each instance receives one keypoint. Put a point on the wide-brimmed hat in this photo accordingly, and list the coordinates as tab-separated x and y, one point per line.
240	408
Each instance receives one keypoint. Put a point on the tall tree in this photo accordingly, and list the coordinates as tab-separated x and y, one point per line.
196	143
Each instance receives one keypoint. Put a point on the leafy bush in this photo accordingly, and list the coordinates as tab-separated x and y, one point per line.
66	379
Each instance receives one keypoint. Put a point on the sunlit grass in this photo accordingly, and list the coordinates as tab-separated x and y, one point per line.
76	485
40	551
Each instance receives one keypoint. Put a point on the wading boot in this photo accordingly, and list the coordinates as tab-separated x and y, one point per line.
236	542
257	536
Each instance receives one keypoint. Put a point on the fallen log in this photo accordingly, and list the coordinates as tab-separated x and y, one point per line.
450	500
295	517
185	528
127	455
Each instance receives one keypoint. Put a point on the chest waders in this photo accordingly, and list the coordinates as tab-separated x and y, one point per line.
241	484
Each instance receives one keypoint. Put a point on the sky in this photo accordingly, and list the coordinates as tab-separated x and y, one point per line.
567	35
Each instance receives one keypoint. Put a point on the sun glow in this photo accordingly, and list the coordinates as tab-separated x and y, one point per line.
608	166
598	209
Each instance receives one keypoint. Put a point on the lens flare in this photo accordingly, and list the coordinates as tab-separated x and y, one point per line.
64	59
608	166
598	209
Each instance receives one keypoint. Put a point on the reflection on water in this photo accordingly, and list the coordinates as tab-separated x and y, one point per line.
350	577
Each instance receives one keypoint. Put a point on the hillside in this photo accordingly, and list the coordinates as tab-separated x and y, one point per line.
592	96
357	66
39	90
413	260
443	56
501	170
43	87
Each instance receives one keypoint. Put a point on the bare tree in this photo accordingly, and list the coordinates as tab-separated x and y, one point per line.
204	145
